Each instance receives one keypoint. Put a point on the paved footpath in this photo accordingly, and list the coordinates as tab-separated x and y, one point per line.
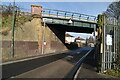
88	70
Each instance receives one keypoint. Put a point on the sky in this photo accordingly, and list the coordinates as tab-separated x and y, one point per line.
59	0
89	8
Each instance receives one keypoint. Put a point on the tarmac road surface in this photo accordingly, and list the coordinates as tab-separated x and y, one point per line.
58	68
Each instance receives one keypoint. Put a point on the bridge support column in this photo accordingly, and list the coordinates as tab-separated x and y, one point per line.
39	28
50	39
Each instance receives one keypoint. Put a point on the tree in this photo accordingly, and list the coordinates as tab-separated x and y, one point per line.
8	10
113	10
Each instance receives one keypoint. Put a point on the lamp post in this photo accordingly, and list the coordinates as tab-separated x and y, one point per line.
13	25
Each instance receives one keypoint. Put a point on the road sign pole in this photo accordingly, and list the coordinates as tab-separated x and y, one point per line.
43	37
13	25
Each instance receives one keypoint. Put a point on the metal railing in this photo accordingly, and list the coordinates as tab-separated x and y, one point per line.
55	13
109	60
66	14
75	70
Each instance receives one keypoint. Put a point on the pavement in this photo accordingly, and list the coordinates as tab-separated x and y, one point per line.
88	71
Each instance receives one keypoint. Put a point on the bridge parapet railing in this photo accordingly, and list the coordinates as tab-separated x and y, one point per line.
66	14
55	13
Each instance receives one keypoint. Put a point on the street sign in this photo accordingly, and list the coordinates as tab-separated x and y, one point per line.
45	43
109	39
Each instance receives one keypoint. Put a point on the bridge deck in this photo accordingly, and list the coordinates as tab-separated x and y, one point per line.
67	17
51	16
66	14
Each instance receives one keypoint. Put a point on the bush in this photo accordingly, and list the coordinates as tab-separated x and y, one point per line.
115	73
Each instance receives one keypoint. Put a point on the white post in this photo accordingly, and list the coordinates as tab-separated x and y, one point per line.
43	36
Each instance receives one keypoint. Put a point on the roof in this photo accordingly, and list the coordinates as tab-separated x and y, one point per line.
68	35
78	38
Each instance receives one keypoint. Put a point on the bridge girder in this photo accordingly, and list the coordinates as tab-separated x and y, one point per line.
76	25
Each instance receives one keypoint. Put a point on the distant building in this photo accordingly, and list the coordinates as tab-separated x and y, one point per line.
80	41
90	41
69	38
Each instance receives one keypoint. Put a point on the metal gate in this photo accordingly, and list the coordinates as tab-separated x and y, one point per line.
110	43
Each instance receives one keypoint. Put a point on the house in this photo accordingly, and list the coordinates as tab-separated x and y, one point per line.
69	38
80	41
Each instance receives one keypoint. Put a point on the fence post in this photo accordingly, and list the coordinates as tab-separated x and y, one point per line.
100	40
